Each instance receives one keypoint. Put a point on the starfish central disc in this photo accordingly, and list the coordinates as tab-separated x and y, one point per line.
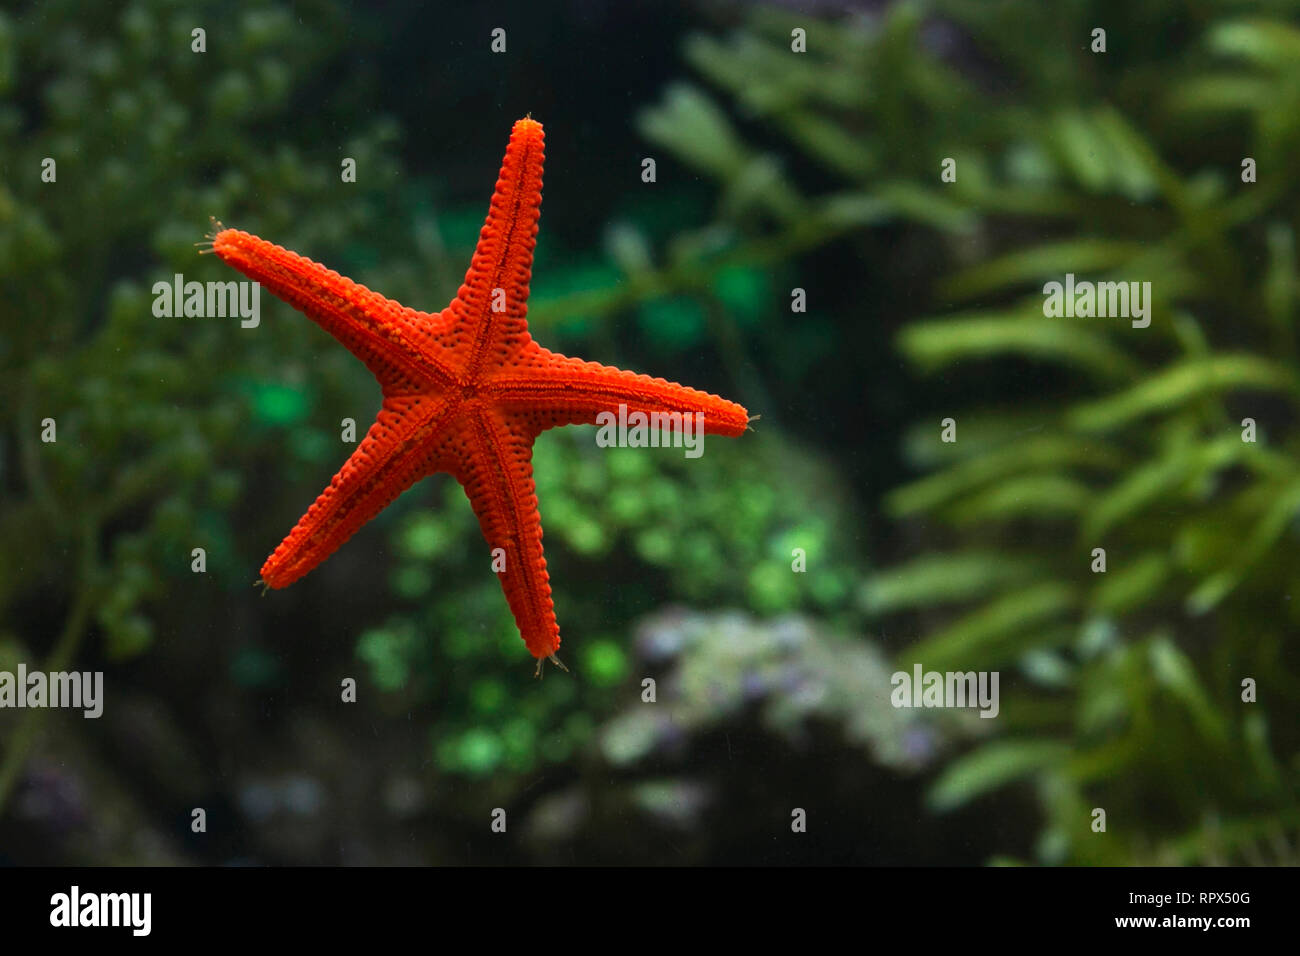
465	391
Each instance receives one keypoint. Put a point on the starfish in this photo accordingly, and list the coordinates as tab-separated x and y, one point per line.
465	391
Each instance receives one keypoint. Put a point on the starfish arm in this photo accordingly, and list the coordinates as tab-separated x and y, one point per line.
391	339
489	313
394	455
494	465
559	390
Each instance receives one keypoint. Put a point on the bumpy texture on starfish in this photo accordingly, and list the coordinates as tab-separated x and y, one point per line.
466	391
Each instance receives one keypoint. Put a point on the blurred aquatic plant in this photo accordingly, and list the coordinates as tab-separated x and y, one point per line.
721	709
677	529
153	439
1123	689
713	667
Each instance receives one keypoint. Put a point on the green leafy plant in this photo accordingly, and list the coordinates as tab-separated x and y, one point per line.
679	529
125	446
1123	689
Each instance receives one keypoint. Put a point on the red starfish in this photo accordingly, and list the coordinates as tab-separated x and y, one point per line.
466	391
